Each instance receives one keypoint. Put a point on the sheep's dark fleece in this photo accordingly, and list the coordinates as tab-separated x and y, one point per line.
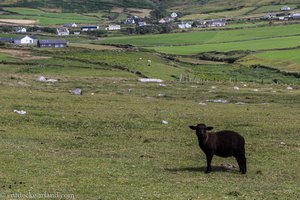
223	143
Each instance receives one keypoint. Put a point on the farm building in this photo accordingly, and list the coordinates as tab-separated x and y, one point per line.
216	23
295	16
73	25
184	25
52	43
90	28
165	20
142	23
285	8
129	21
7	40
21	30
114	27
25	40
62	31
174	15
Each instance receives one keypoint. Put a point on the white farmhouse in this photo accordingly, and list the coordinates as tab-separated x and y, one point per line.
174	15
285	8
62	31
114	27
184	25
25	40
21	30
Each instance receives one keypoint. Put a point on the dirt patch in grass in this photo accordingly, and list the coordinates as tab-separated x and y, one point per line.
22	54
18	21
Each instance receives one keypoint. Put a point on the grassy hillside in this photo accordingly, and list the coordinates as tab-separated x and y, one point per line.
109	143
80	5
206	37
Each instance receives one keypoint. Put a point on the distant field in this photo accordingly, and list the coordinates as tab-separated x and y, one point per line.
216	15
273	8
252	45
204	37
18	21
49	18
286	60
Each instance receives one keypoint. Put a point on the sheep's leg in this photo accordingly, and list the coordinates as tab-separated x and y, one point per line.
209	157
242	163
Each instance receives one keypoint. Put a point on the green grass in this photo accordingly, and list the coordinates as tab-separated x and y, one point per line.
49	18
6	57
111	145
273	8
253	45
287	60
214	15
203	37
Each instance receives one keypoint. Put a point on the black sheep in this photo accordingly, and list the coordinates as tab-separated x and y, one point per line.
223	143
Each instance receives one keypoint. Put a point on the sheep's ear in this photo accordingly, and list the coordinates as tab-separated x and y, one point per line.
209	128
193	127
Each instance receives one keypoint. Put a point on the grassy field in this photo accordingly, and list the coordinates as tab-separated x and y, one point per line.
203	37
49	18
111	144
284	60
252	45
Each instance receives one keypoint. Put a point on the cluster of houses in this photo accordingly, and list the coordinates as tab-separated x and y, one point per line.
282	16
33	41
274	16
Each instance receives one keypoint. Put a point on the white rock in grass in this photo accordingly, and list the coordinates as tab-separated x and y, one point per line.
282	143
164	122
202	104
20	112
162	85
51	80
236	88
41	79
213	87
289	88
254	90
76	91
150	80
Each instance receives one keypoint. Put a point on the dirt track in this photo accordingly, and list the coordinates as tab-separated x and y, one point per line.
18	21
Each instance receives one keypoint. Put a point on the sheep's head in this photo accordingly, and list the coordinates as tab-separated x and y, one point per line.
201	129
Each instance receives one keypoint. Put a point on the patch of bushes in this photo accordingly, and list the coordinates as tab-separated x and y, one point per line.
229	57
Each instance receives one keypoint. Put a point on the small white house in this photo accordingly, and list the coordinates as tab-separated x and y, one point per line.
162	21
216	23
142	23
295	16
25	40
184	25
90	28
73	25
174	15
21	30
285	8
114	27
62	31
